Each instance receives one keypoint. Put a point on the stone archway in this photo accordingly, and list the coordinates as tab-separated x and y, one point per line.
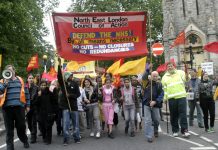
193	52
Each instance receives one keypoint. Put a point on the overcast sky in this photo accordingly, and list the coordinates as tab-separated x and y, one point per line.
63	6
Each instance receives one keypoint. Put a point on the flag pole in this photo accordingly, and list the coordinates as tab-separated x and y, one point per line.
149	23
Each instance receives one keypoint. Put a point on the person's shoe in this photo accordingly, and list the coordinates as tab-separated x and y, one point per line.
110	135
77	141
26	145
207	130
126	130
33	140
200	125
176	134
150	140
186	134
65	142
98	135
156	134
47	143
132	134
211	130
40	134
92	134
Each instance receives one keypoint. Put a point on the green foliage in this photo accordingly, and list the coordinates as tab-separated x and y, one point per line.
153	6
22	31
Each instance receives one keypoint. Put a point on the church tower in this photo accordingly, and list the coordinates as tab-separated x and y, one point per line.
199	20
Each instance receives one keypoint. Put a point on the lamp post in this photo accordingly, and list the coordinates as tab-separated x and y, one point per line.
192	40
45	62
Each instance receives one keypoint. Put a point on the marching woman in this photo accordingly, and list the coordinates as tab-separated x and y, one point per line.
206	102
108	106
93	109
32	114
46	104
128	98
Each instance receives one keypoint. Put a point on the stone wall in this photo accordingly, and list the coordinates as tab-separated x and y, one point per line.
206	23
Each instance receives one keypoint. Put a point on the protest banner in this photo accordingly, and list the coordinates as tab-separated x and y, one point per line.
100	36
207	67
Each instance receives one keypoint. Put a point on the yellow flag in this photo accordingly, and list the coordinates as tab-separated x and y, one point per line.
133	67
113	69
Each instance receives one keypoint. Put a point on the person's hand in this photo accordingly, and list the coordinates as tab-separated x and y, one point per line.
27	109
39	93
87	101
113	101
6	82
152	103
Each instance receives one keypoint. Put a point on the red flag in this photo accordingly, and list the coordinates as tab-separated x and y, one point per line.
180	39
33	63
52	72
48	77
212	47
163	67
116	82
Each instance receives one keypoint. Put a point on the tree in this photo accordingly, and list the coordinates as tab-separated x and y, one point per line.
153	6
22	30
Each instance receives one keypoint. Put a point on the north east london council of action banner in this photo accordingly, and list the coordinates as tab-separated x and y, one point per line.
100	36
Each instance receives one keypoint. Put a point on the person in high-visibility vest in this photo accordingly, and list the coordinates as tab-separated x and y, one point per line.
173	83
14	99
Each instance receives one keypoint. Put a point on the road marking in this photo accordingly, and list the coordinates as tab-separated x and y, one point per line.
17	139
206	139
204	148
189	141
182	139
193	133
1	129
215	144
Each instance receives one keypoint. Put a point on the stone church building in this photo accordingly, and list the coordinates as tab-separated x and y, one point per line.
199	20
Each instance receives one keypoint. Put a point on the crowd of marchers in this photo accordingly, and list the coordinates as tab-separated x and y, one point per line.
93	104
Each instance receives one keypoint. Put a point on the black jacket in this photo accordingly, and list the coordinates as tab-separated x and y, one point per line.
33	91
94	97
45	103
72	90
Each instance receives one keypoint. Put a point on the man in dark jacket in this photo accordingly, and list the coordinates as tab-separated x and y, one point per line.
68	103
152	101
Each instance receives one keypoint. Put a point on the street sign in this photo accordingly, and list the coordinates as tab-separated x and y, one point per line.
157	49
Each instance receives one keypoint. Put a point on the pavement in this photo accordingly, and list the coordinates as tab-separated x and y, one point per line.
199	140
2	127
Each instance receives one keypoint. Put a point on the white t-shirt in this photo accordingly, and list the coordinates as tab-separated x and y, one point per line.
81	98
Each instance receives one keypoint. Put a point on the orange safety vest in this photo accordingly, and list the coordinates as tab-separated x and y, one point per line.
22	93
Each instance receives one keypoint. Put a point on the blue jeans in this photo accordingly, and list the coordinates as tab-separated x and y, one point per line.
178	112
129	113
152	118
67	115
192	104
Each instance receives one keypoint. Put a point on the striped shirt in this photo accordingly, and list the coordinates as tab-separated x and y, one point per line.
13	94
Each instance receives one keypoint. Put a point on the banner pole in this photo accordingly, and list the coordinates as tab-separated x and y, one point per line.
149	17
